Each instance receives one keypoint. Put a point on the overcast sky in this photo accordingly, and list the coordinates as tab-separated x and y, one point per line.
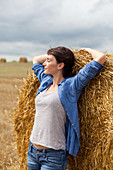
31	27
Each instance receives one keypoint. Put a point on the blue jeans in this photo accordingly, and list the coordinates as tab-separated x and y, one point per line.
46	159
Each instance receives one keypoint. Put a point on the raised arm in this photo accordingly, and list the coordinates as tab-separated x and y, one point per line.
39	68
90	70
97	55
39	59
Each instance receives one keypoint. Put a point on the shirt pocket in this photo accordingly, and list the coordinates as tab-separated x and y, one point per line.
71	95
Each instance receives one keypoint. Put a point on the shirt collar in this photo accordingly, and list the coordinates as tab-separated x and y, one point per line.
63	81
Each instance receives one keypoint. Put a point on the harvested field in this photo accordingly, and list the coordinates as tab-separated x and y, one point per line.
11	74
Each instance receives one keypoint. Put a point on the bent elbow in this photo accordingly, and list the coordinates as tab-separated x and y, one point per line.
102	59
34	60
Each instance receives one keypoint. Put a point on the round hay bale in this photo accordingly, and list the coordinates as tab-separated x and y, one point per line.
96	119
23	60
3	60
95	114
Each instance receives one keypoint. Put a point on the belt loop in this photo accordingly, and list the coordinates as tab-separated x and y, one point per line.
31	147
65	151
44	151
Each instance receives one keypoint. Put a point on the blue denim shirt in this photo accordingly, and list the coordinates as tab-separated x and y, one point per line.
69	91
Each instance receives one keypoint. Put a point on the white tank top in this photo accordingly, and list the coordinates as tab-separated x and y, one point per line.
50	119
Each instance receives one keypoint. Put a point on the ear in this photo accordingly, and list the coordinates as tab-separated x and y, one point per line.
60	66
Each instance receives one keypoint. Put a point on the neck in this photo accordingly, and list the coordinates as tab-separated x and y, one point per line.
57	80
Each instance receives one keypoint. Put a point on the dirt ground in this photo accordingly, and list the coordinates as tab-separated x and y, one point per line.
11	79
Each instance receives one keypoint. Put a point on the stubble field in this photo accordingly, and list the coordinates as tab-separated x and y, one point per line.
11	79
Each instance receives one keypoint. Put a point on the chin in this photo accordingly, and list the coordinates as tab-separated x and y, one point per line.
45	72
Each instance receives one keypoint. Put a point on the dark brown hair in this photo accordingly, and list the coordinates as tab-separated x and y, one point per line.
65	55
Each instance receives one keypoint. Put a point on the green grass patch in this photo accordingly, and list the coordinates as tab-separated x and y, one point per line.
15	69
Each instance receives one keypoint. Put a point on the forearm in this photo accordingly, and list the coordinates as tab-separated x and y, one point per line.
39	59
97	55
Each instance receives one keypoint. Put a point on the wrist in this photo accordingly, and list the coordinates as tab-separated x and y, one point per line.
101	59
39	59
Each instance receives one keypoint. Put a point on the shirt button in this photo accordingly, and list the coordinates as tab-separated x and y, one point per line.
72	94
72	125
69	118
63	104
75	131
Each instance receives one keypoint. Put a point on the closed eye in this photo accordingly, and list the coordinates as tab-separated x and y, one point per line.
47	59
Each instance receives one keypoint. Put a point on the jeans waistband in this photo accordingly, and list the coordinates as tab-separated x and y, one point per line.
44	150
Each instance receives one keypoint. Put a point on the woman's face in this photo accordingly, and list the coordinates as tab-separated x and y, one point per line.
50	65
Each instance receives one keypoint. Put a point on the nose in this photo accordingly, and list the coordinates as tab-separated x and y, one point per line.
44	63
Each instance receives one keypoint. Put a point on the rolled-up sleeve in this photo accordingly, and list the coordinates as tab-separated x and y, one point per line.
86	74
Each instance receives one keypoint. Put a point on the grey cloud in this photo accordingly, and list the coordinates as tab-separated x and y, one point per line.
29	24
46	23
100	4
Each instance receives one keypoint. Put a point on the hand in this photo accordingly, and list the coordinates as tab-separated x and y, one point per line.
97	55
39	59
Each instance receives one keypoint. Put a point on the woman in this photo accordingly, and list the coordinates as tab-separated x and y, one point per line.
56	125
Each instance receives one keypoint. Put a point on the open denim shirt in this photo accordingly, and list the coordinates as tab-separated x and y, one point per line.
69	91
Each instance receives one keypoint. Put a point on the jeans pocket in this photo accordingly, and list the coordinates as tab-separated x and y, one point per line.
54	161
30	161
57	159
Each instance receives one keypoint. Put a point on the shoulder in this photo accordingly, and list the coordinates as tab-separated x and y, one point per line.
69	82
